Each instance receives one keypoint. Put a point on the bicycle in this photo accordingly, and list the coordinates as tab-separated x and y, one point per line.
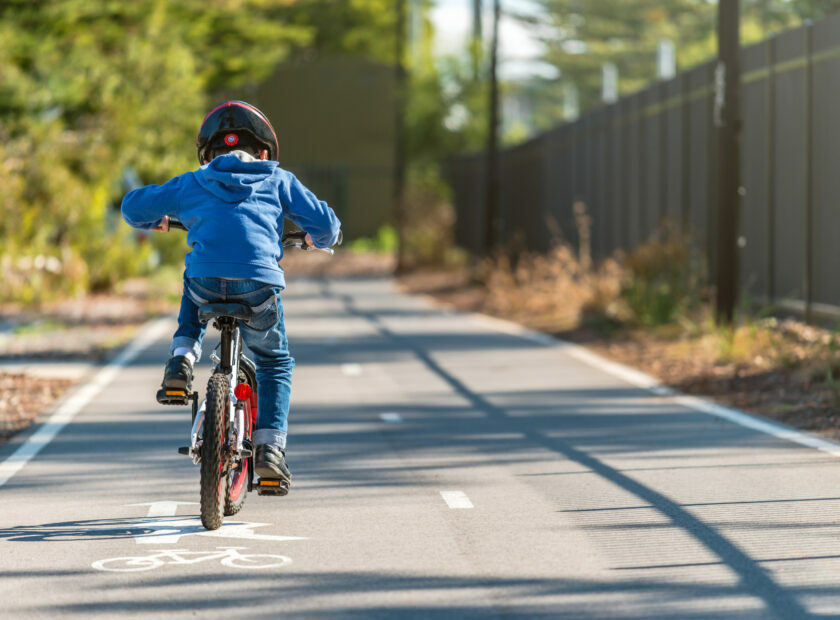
228	556
224	421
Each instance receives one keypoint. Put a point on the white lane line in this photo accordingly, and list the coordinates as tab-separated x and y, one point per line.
164	508
67	411
456	499
645	381
393	418
351	370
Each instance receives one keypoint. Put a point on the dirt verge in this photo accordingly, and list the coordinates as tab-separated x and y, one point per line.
73	333
783	369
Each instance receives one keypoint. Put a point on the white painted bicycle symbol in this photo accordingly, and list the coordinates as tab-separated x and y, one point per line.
229	556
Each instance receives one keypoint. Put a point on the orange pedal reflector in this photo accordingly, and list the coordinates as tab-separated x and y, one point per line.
269	483
176	393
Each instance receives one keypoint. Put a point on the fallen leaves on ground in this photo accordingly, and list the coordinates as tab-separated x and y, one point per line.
23	397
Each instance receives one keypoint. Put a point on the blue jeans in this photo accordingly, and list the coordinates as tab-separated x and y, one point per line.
265	336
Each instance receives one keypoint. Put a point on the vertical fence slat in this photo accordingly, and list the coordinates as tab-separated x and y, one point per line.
771	168
809	173
649	156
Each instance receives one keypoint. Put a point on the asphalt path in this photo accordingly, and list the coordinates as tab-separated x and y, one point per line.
444	466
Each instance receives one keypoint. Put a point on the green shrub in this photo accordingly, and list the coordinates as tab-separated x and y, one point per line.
663	282
385	241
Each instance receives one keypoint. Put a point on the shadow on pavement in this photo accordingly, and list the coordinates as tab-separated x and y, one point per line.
629	432
306	595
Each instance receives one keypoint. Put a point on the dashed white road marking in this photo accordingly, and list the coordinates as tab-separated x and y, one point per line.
160	534
163	509
393	418
68	410
456	499
351	370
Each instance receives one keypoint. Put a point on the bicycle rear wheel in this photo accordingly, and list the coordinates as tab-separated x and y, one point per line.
213	461
238	478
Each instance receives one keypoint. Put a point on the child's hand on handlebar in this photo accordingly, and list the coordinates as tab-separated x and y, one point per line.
163	225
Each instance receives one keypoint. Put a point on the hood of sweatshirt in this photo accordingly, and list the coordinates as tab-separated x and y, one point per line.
235	176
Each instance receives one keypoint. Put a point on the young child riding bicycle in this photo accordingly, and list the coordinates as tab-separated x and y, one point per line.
233	207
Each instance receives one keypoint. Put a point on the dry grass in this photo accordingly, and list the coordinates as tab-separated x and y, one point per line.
552	291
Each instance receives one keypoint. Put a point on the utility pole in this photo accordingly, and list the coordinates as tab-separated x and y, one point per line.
400	83
491	217
727	119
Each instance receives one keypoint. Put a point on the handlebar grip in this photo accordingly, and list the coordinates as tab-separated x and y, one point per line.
176	224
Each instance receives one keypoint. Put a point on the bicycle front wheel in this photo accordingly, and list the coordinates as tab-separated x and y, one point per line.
213	462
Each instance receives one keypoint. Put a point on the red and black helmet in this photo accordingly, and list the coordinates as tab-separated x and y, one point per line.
230	122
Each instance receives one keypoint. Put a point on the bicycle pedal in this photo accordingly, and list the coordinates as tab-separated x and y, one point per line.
277	488
185	450
173	397
245	453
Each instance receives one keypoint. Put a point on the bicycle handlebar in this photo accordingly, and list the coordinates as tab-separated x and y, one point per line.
289	239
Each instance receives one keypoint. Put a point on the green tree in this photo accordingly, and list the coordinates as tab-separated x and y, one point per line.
87	88
583	35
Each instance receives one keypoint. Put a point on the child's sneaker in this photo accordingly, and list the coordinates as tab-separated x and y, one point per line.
178	375
270	463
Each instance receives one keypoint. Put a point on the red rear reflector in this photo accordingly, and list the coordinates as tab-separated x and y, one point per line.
242	391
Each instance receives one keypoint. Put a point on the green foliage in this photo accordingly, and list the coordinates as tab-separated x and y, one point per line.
429	221
385	242
87	88
585	34
351	27
663	282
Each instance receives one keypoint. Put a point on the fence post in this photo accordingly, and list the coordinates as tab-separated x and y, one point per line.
643	164
809	168
614	179
685	174
727	116
626	230
770	100
664	163
712	179
492	229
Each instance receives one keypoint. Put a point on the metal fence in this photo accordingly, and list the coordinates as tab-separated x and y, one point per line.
650	157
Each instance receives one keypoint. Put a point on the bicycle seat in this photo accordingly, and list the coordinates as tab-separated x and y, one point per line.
215	310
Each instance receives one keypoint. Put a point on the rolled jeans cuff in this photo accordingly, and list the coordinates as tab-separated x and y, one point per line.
190	343
263	436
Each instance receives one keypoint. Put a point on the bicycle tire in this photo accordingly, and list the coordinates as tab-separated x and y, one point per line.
213	474
237	483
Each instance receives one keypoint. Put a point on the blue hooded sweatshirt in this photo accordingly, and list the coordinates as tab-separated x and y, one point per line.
233	208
